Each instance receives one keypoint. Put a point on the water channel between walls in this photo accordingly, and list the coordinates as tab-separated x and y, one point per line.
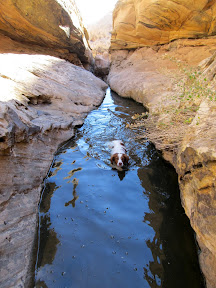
103	228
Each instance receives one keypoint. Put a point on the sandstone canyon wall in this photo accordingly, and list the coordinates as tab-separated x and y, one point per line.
52	26
42	99
163	55
137	23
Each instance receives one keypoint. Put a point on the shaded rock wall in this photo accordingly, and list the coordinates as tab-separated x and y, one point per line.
138	23
49	24
196	167
157	76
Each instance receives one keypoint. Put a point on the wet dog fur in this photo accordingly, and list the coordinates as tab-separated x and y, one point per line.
119	159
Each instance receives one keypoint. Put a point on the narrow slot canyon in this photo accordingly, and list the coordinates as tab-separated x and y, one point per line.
74	76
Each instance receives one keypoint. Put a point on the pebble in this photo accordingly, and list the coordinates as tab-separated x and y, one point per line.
135	269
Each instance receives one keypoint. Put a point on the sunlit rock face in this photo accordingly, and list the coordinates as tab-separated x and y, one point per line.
51	24
138	23
149	75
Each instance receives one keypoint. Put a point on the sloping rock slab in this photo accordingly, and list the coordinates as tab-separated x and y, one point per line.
42	99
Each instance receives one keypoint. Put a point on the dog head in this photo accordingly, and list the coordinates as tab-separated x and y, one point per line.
119	159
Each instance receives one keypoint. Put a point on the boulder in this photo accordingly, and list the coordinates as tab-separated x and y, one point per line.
102	65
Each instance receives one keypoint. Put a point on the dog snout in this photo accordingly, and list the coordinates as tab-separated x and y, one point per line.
120	163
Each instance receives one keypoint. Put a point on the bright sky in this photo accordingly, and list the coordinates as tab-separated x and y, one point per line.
93	10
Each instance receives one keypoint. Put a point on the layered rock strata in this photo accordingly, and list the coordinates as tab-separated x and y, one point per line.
196	167
138	23
49	25
181	118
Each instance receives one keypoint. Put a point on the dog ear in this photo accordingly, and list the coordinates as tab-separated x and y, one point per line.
126	159
112	159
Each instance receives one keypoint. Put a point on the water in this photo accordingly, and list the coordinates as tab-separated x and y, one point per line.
103	228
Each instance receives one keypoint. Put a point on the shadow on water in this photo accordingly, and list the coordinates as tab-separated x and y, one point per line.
103	228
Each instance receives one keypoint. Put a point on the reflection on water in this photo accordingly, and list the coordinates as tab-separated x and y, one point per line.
75	196
103	228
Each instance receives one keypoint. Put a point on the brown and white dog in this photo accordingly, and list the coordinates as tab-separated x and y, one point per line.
119	158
